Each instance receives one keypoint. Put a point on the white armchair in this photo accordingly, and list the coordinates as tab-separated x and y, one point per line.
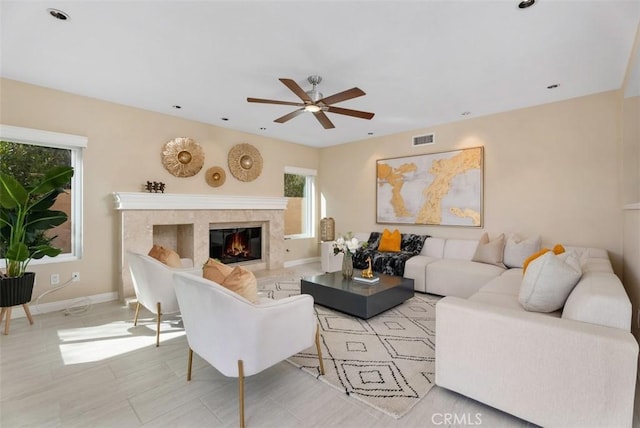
240	338
153	284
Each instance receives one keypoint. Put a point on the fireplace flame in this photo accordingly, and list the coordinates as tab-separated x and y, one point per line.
236	246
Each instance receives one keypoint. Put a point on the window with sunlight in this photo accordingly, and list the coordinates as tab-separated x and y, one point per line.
26	154
299	216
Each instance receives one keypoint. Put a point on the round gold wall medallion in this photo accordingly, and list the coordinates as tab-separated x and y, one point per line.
182	157
215	176
245	162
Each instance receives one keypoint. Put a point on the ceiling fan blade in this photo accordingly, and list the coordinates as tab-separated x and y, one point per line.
323	119
263	101
349	112
289	116
343	96
296	89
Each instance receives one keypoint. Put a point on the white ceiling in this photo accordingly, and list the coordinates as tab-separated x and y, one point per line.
421	63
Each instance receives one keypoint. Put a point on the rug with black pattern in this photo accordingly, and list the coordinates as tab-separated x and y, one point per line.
387	361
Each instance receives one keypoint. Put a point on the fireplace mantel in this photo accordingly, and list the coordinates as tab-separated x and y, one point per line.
175	201
182	222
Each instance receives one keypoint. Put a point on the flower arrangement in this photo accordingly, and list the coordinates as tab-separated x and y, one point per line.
347	244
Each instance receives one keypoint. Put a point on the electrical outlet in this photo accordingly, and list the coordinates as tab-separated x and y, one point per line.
55	279
75	277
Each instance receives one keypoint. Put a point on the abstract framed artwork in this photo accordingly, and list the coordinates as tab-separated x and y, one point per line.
443	189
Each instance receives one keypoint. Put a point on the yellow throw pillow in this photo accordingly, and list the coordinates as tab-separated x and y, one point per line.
390	241
243	282
215	271
557	249
166	256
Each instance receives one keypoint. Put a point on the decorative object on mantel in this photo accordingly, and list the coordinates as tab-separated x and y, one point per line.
215	176
182	157
245	162
154	186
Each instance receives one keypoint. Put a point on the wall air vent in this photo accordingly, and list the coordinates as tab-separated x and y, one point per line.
423	140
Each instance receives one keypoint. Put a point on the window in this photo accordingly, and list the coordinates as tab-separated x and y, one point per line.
299	189
25	153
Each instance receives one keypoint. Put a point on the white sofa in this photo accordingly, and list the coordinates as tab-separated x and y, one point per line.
575	367
444	267
571	368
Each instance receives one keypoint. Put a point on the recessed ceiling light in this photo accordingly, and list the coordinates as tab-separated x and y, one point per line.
555	85
58	14
176	106
526	3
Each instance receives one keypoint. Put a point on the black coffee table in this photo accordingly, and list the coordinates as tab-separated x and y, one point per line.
357	298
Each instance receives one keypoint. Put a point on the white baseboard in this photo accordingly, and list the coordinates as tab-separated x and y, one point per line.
298	262
44	308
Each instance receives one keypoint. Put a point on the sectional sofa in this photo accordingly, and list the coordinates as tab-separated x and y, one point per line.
572	367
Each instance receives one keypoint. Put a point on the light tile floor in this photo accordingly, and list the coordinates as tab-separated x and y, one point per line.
96	369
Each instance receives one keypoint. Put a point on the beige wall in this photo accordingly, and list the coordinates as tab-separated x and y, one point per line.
631	150
630	185
631	198
123	152
550	170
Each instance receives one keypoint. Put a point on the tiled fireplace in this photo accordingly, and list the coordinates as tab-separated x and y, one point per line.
183	222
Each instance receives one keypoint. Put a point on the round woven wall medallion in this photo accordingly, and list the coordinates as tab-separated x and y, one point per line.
215	176
245	162
182	157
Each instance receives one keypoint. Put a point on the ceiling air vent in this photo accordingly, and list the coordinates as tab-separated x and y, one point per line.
422	140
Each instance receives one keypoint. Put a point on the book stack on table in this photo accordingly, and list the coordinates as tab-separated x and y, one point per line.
367	280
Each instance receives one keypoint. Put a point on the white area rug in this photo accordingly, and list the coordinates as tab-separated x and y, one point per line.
388	361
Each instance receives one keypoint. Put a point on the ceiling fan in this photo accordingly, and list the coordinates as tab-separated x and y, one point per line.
316	103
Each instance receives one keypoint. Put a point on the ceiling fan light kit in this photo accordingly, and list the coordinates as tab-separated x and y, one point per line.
313	101
312	108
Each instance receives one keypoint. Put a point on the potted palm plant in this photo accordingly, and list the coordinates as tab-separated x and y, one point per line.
25	216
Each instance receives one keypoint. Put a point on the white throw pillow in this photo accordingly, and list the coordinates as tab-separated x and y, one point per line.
517	249
490	252
548	281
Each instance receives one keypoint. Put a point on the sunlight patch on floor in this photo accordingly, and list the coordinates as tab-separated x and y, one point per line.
96	343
